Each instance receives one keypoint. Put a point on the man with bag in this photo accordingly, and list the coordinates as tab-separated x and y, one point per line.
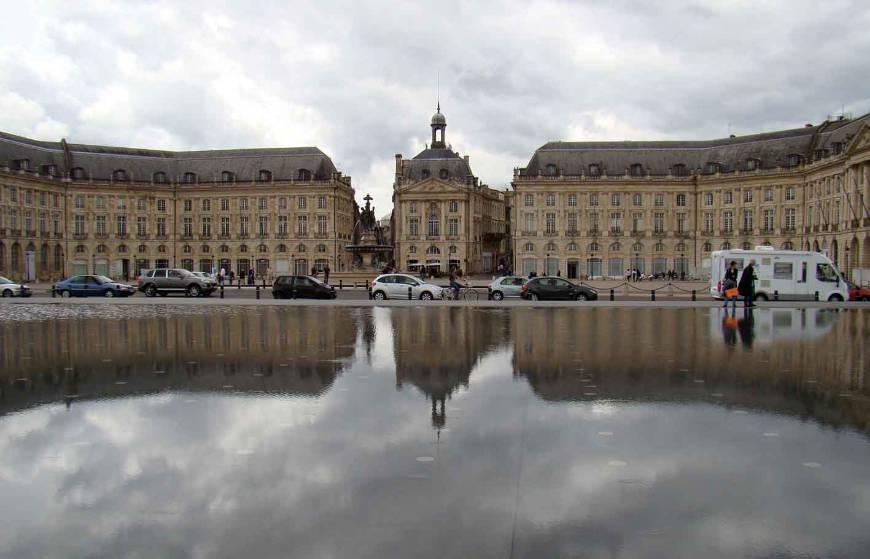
729	286
746	287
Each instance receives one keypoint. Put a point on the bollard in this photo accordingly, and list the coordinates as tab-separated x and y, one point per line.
292	292
694	296
53	292
410	296
369	289
775	295
257	289
222	291
816	296
652	295
340	285
240	282
612	298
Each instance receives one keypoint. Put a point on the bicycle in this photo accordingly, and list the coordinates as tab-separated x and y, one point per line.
466	293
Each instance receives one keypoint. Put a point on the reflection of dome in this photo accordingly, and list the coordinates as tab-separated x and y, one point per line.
438	118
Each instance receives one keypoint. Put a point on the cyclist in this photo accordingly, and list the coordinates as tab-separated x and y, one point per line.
455	274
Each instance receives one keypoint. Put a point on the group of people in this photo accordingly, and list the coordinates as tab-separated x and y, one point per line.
326	271
745	287
223	276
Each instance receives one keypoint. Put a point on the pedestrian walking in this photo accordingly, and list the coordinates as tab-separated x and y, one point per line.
729	284
221	275
232	276
326	274
746	286
250	276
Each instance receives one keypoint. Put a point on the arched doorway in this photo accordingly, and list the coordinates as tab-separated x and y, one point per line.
816	246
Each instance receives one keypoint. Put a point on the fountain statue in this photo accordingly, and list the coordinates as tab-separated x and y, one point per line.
371	251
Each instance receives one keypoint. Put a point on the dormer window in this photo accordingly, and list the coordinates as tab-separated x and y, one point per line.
78	174
119	175
636	170
552	171
713	167
444	173
264	175
680	170
794	160
753	164
594	170
189	178
159	177
425	174
837	148
22	164
228	176
50	170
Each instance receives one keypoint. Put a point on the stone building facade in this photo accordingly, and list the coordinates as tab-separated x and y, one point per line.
70	209
443	216
591	209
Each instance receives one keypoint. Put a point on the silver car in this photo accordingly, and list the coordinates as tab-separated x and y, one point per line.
9	288
395	286
508	286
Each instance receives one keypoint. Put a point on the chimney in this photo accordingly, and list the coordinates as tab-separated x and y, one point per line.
808	125
398	164
466	159
732	136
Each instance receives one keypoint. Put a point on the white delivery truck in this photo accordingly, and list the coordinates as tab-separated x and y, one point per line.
785	275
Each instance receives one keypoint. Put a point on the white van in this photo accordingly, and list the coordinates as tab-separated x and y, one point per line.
785	275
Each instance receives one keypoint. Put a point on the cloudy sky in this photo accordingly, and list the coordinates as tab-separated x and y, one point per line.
358	79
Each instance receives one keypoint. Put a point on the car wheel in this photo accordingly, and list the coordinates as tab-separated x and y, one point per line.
865	298
426	296
108	293
533	296
150	291
65	293
193	291
760	297
497	295
379	295
582	297
7	293
836	297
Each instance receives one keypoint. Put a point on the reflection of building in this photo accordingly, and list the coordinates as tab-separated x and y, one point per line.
271	350
442	215
436	349
626	354
67	209
597	208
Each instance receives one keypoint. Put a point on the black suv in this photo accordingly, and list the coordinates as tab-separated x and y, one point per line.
301	287
557	289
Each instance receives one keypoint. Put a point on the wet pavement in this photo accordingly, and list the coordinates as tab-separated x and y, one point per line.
433	431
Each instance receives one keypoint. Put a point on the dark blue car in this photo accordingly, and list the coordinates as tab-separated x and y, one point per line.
89	286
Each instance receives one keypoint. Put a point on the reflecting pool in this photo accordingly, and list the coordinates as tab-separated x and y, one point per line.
433	432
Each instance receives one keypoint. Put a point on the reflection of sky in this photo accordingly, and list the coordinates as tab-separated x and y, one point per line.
193	474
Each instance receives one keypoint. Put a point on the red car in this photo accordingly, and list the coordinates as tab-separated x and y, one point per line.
858	293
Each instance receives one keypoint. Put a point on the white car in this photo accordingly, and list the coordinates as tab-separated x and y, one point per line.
9	288
395	286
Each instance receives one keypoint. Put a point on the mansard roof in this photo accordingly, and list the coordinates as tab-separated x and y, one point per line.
100	162
769	150
433	160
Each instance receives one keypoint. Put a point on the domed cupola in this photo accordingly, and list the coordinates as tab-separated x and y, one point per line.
439	126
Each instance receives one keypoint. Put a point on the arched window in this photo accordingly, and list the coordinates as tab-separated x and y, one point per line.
594	170
552	171
413	249
225	248
187	249
43	257
681	247
228	176
58	258
122	249
80	249
161	248
593	247
659	247
787	245
205	248
444	173
264	175
159	177
142	248
572	246
101	249
451	249
551	247
15	257
529	247
321	248
425	173
433	250
637	247
2	255
636	170
262	248
303	175
119	175
78	174
680	170
244	248
746	245
282	248
300	248
726	246
189	178
707	247
615	247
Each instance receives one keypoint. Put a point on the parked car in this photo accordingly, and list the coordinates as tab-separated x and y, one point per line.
857	292
203	275
508	286
395	286
164	281
92	285
301	287
556	289
9	288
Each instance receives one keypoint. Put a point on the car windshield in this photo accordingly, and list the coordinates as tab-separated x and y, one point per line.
103	279
315	280
4	281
